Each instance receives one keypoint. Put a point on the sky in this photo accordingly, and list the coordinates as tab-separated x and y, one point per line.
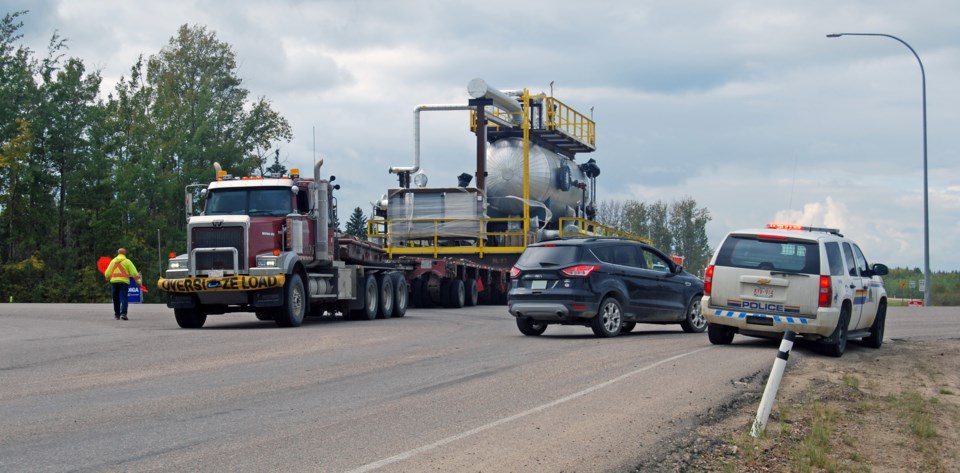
745	106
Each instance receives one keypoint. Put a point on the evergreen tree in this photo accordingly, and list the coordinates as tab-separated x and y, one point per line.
357	225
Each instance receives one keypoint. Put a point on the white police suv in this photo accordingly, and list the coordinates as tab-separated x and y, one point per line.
810	280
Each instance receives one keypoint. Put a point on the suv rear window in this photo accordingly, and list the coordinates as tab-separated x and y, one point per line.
546	256
745	251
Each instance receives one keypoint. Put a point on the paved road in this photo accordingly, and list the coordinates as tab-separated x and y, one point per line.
438	390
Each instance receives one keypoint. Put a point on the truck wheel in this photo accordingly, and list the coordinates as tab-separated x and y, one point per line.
416	287
720	334
370	302
458	294
445	292
425	299
472	295
530	327
609	319
876	330
385	296
294	303
401	294
190	318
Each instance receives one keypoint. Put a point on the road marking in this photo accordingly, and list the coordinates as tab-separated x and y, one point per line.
410	453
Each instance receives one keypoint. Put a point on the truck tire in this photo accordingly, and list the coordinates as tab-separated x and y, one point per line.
472	296
294	303
190	318
416	288
370	302
384	296
426	301
458	294
444	292
401	294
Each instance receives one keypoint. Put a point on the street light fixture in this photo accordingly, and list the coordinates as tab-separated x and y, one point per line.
927	290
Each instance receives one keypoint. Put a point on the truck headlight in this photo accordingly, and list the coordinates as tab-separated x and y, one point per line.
267	261
177	264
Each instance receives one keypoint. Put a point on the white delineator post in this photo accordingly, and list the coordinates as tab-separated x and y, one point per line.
773	384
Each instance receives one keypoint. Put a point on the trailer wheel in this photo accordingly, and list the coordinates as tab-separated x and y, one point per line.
425	298
472	295
385	299
458	294
415	289
294	305
445	292
401	294
370	302
190	318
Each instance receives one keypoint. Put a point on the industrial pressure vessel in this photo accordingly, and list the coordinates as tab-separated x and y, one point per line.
553	180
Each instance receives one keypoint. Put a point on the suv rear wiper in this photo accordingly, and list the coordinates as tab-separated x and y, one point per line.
789	273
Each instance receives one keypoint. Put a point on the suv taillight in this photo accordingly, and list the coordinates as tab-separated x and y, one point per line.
514	272
708	281
826	292
579	271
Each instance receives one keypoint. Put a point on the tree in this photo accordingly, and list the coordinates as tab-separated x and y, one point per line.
688	225
357	225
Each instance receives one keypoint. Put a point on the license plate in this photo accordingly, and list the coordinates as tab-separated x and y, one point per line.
539	284
215	273
765	292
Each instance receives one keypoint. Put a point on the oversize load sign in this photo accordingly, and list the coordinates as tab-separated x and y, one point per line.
227	283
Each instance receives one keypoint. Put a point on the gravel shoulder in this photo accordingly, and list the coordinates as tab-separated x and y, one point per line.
892	409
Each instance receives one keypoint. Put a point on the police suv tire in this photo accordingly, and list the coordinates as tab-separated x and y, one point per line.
627	327
370	302
875	339
471	290
458	294
838	339
609	319
693	321
384	296
190	318
530	327
294	303
401	294
720	334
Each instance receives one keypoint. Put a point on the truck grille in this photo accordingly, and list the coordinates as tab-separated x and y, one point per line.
211	237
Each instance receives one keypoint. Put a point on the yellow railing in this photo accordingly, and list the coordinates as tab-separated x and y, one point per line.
574	227
559	117
431	236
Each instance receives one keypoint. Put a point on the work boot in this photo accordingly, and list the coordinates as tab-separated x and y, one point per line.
123	317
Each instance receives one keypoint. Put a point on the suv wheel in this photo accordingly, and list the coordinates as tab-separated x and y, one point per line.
838	339
530	327
876	330
720	334
694	321
608	321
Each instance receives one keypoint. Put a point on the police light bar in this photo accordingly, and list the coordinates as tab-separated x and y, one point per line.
789	226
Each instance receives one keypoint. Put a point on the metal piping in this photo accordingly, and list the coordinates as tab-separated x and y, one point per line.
478	88
322	248
416	134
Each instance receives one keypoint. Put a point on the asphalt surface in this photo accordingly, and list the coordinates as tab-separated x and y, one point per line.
437	390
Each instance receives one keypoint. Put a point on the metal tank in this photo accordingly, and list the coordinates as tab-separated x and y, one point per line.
556	182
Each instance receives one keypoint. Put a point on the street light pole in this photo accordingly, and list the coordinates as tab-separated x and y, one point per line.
927	289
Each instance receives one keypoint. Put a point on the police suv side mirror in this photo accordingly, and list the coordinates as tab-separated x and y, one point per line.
879	269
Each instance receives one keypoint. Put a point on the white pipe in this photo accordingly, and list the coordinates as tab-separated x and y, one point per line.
773	384
416	134
478	88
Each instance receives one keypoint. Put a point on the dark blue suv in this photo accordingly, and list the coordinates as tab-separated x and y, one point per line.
607	284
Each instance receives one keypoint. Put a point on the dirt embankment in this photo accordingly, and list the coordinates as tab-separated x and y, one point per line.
892	409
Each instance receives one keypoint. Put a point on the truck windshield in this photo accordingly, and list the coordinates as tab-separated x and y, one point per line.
261	201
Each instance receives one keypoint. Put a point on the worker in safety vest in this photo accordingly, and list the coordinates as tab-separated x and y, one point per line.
119	272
